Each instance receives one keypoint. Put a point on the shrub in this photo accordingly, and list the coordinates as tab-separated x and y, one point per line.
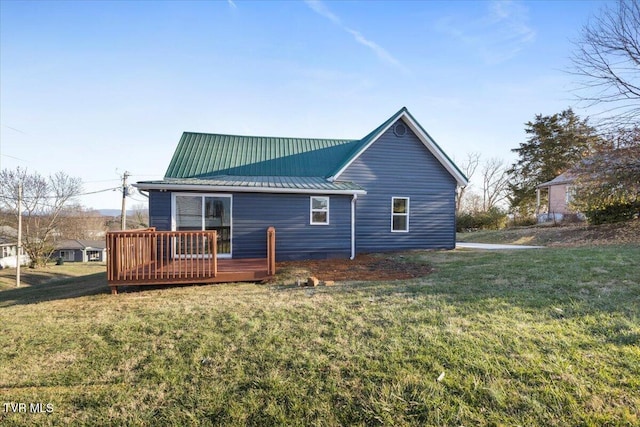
616	212
493	219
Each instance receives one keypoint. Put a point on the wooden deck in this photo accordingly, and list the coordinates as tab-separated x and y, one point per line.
149	257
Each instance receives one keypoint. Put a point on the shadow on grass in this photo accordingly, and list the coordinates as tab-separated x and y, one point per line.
57	289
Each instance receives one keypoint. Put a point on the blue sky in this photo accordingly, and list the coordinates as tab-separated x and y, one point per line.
95	88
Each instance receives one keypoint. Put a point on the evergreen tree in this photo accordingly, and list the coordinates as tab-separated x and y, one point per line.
555	144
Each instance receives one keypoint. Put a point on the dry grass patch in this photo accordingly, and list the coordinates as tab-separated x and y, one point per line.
562	235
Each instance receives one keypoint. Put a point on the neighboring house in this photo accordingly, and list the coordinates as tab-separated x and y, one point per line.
560	191
81	251
9	248
392	190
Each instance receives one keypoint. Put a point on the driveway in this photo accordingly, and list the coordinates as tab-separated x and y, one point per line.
492	247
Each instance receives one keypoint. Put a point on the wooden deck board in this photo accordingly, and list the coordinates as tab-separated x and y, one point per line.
194	271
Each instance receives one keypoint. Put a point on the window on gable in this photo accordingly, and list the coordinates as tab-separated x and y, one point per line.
319	211
400	214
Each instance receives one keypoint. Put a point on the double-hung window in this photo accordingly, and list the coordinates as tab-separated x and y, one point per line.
400	214
319	211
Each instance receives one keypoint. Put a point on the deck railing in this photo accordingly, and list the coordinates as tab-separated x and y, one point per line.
148	255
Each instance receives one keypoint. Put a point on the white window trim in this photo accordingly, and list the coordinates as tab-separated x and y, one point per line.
393	214
311	210
569	194
174	223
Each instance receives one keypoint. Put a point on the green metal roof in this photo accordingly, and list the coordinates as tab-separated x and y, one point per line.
201	155
260	161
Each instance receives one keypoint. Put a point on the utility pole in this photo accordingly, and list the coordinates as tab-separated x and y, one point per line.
19	246
125	193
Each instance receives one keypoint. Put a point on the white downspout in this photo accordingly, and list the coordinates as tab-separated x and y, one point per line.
353	226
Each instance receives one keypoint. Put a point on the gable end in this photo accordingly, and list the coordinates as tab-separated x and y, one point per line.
404	117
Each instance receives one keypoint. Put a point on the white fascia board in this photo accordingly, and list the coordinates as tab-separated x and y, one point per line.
438	154
240	189
426	141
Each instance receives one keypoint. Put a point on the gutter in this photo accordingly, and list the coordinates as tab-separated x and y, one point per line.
241	189
353	226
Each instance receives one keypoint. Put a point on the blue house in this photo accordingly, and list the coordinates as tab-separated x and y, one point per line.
392	190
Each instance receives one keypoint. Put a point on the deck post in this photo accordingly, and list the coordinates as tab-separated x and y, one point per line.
271	251
214	253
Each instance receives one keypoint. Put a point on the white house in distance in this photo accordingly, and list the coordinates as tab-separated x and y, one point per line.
81	251
9	248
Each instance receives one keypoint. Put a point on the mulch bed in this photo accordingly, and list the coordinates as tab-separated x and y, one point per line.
363	267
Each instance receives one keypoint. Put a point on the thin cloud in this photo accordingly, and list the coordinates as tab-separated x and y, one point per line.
321	9
232	4
497	36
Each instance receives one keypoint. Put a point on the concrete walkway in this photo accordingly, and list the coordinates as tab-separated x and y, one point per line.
492	247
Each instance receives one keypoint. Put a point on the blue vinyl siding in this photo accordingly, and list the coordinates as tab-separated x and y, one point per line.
160	210
253	213
402	167
295	237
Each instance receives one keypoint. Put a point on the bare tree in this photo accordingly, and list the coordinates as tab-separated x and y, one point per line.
495	183
77	222
140	216
468	167
43	201
607	186
607	60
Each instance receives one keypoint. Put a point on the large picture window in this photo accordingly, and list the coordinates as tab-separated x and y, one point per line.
319	211
400	214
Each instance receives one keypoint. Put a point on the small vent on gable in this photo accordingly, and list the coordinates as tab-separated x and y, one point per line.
400	129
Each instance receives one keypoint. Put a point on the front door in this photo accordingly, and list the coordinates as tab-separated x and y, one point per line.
205	212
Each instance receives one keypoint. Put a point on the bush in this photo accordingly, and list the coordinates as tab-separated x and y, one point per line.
616	212
493	219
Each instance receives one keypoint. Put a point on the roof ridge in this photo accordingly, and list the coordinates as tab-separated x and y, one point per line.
271	137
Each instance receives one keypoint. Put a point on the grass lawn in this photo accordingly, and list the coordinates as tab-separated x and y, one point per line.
547	337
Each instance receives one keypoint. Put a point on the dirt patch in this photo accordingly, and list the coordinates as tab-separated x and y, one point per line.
363	267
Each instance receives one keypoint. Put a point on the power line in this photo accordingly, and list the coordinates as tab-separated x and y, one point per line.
12	157
101	180
27	198
99	191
